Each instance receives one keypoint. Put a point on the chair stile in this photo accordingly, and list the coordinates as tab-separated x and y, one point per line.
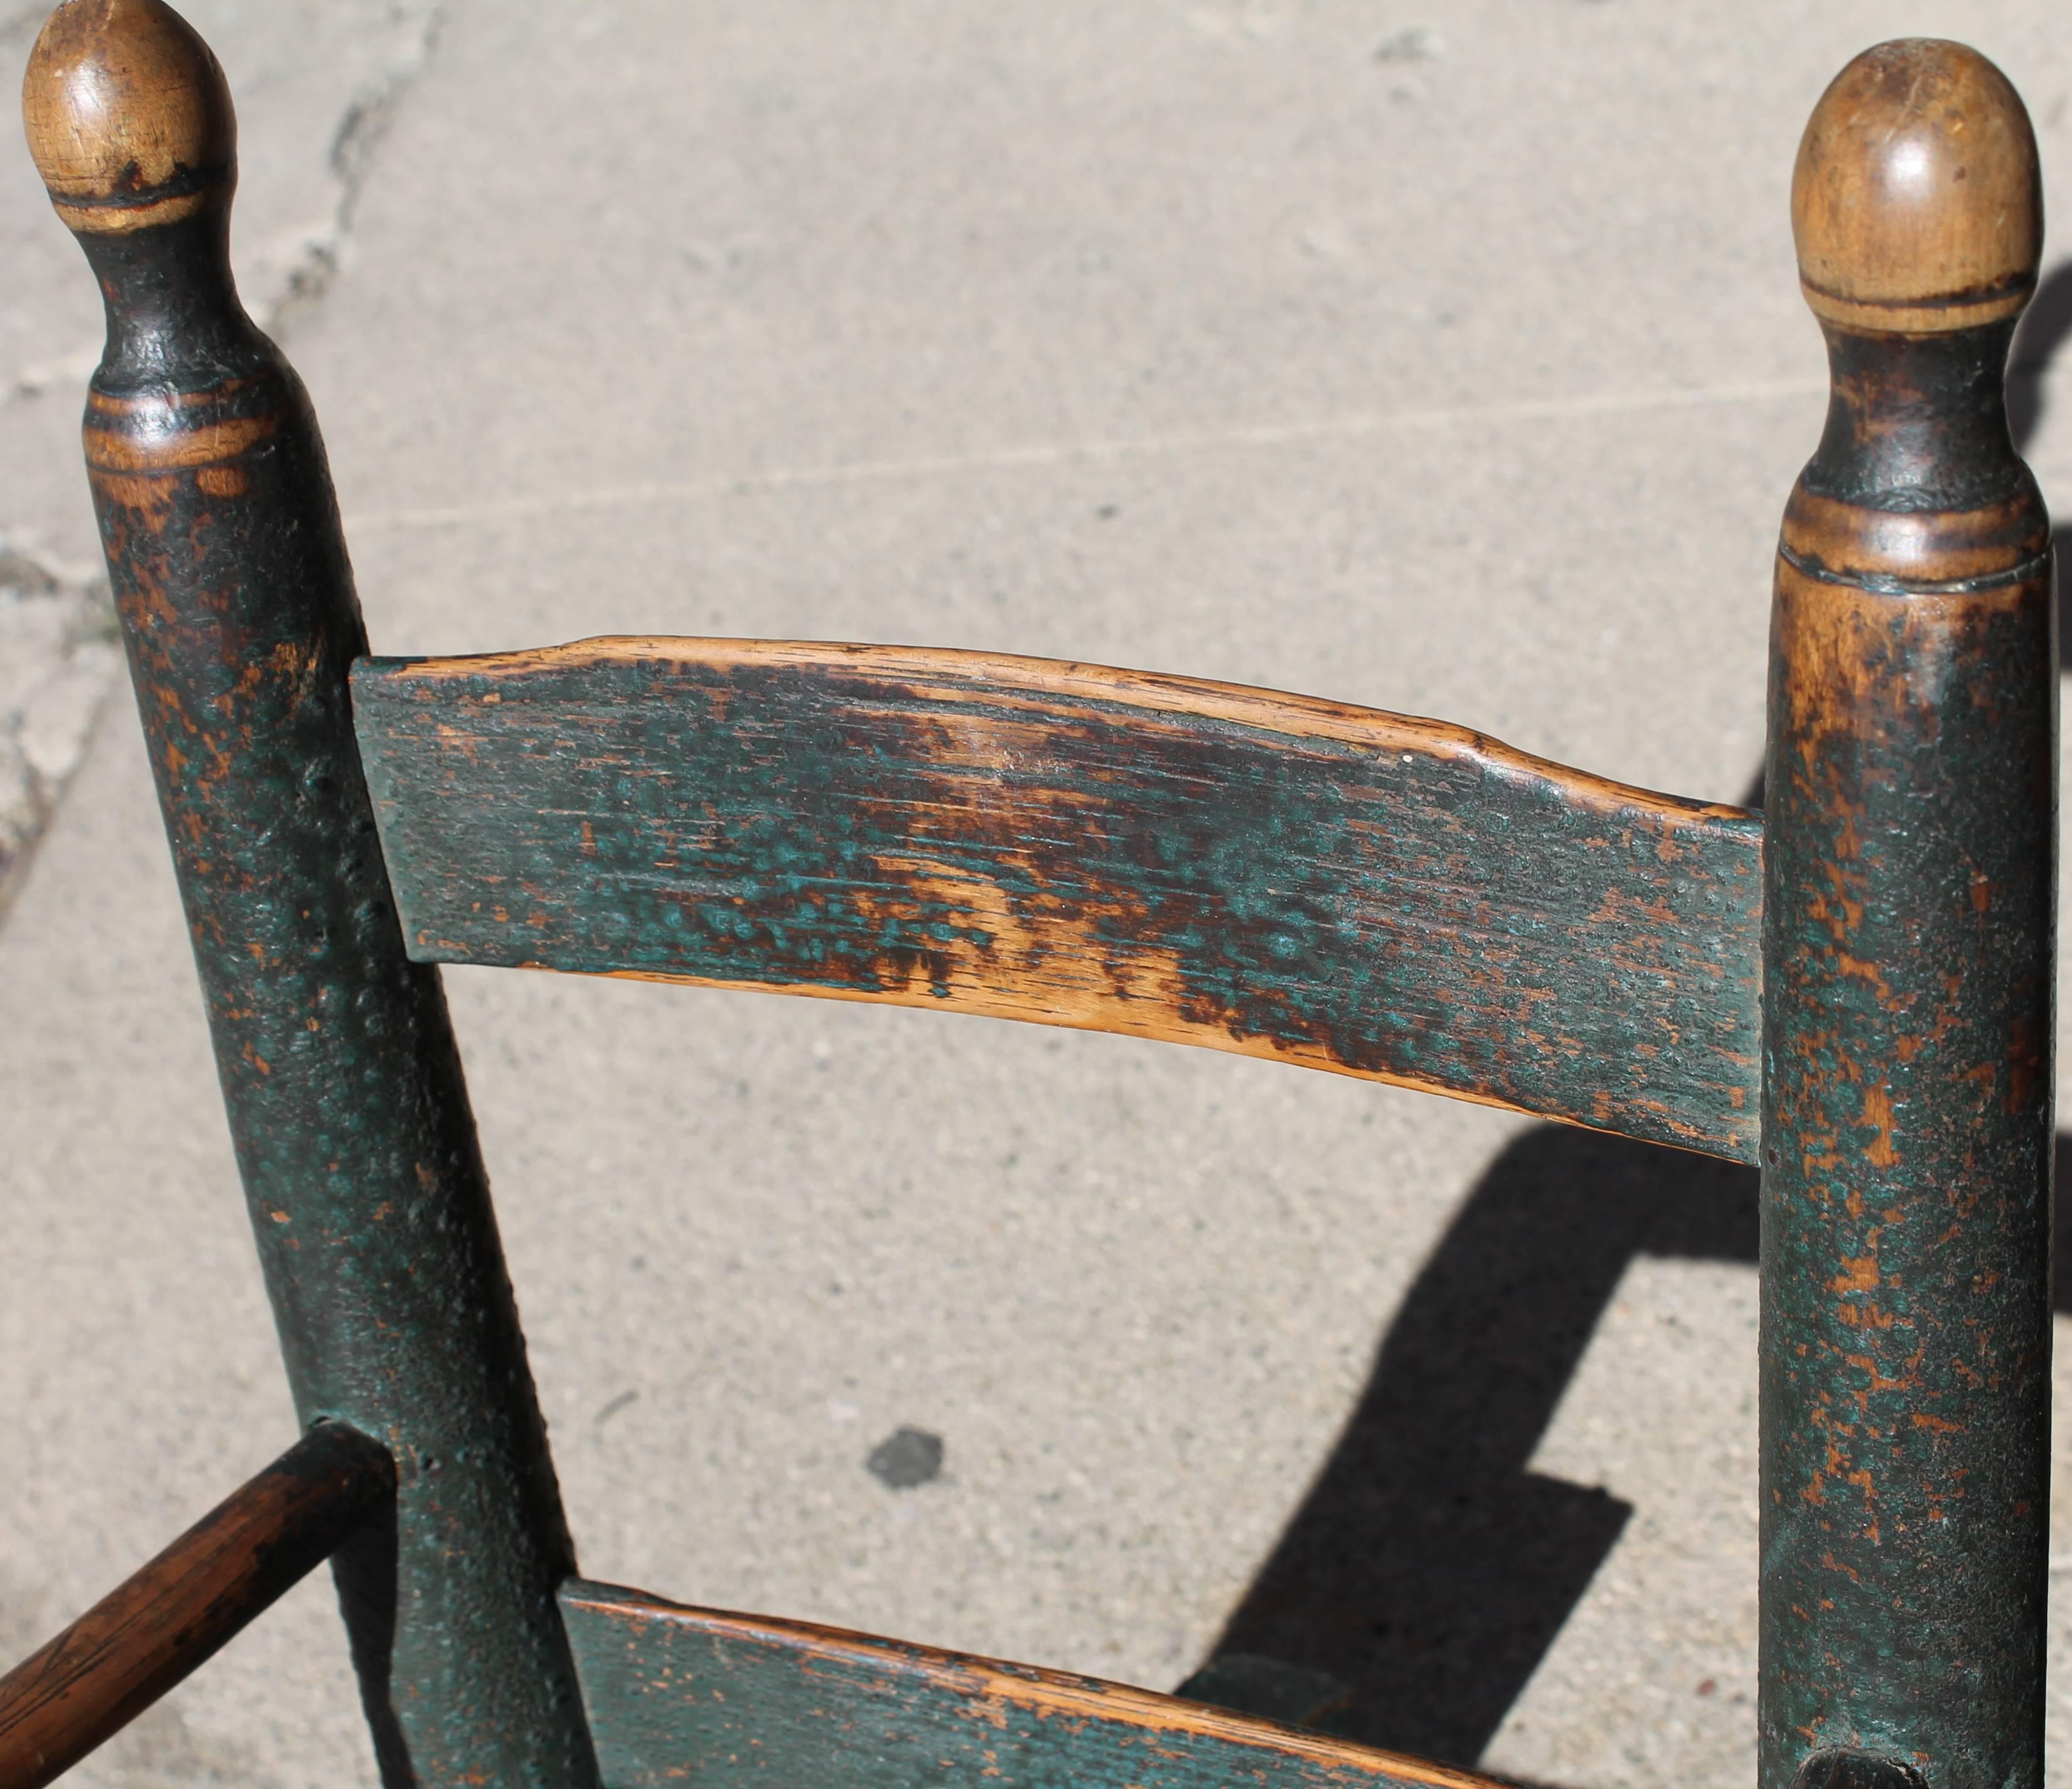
348	1109
1909	843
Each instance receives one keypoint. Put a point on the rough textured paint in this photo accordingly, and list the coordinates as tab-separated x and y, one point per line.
679	1695
1911	846
136	1642
1332	886
342	1084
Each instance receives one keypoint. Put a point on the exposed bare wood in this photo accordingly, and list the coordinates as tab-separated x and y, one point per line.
128	117
133	1645
1161	857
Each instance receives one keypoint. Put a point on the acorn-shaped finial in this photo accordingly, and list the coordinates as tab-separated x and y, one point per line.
128	116
1916	203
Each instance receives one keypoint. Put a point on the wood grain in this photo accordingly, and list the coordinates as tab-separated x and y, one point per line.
133	1645
1271	874
1916	203
675	1693
128	117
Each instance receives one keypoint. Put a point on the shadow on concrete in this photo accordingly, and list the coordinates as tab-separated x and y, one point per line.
2046	327
1428	1571
2043	332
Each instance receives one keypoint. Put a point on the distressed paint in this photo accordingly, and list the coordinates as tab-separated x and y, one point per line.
677	1694
1910	855
86	1683
338	1071
1283	877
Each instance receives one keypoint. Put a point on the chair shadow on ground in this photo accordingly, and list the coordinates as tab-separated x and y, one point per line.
2046	327
1428	1571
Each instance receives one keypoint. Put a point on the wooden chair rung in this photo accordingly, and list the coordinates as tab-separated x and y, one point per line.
1854	988
90	1681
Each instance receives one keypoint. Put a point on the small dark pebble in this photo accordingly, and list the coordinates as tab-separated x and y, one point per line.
906	1457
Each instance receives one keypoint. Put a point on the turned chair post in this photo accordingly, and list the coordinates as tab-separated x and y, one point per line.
339	1073
1910	911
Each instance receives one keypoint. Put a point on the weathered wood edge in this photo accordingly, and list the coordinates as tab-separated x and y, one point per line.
629	1647
1728	837
86	1685
1270	710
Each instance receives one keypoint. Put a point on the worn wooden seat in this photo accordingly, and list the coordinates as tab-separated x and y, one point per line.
1851	988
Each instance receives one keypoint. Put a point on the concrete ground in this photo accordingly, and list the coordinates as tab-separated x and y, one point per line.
1442	358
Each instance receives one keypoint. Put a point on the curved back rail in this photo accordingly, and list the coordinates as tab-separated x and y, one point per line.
1282	876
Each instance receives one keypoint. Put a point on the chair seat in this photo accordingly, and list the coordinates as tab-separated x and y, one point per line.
674	1694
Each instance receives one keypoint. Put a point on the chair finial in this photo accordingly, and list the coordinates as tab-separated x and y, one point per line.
1916	203
128	117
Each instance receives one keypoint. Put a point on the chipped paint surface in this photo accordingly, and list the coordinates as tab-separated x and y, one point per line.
675	1694
1910	913
1349	891
343	1087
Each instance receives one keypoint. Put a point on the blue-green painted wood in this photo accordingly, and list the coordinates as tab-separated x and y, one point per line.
1910	984
677	1694
1344	889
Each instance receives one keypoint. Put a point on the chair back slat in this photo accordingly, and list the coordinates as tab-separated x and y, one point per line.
1362	892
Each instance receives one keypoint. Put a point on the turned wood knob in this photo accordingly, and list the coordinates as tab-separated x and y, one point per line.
128	117
1919	215
1916	203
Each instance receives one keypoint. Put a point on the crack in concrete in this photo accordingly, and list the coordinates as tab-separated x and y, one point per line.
367	122
292	273
58	657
